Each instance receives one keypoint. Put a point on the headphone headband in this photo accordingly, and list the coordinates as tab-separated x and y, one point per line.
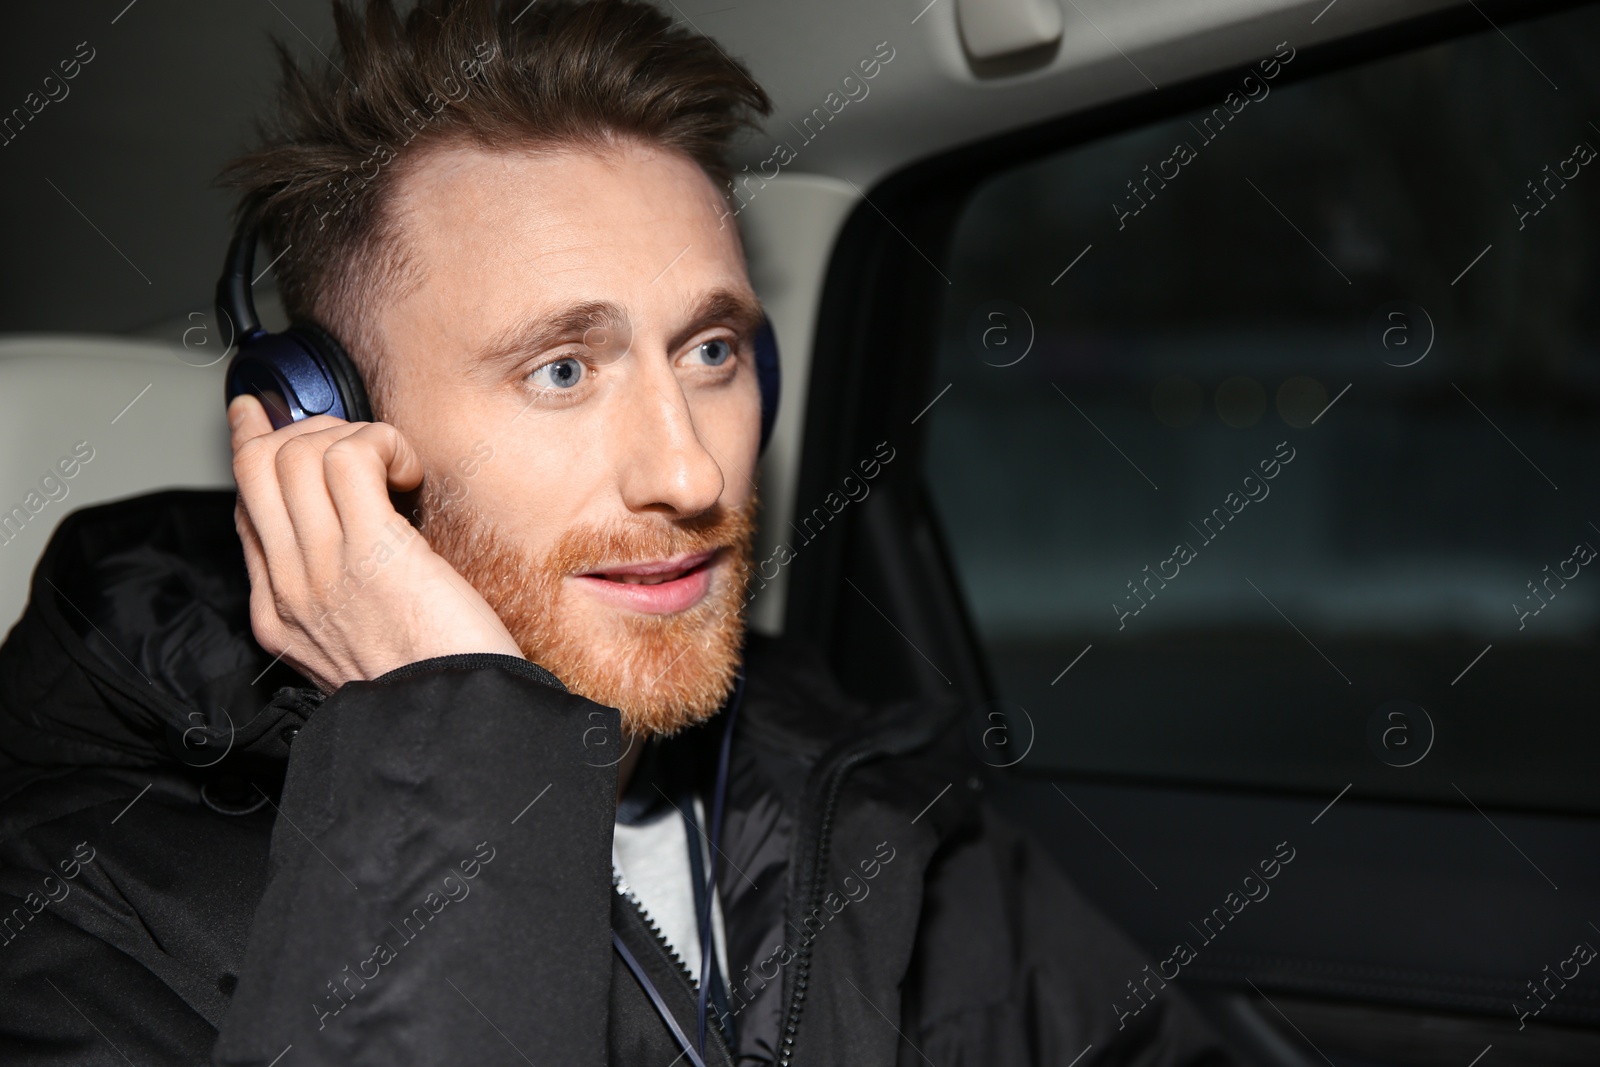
235	300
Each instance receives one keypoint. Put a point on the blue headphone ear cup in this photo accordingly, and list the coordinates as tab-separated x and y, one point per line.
341	370
301	372
279	370
298	373
769	376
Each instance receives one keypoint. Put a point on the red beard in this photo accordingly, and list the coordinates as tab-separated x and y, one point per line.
663	672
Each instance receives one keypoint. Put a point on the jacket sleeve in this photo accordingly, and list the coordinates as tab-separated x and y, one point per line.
1034	974
440	882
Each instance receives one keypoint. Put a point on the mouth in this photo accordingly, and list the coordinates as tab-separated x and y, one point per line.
657	587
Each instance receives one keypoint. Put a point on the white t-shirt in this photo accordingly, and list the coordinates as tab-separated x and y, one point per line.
652	862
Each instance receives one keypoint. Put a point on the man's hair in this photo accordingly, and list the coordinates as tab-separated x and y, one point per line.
503	74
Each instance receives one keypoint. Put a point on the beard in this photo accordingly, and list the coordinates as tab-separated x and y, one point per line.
662	672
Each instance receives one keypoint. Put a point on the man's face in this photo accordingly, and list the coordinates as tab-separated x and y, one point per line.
576	368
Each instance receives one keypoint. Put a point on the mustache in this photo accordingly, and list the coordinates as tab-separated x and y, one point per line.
636	539
586	547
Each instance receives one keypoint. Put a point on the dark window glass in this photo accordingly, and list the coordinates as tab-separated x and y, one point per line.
1289	408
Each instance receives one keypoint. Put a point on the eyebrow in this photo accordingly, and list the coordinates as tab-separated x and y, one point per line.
737	309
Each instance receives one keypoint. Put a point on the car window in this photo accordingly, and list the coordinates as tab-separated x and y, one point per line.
1270	449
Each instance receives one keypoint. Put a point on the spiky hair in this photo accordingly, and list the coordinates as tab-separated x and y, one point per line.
495	73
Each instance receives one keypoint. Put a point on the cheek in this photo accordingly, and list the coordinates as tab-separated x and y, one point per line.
546	477
530	499
729	420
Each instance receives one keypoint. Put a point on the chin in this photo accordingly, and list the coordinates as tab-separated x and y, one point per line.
662	648
662	671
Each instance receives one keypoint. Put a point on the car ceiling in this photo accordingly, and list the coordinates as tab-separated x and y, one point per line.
112	223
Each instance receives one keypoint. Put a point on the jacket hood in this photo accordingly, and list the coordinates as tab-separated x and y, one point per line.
135	648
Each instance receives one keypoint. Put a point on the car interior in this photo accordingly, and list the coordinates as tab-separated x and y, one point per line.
1201	390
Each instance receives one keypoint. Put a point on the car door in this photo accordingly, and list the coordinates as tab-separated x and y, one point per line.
1232	451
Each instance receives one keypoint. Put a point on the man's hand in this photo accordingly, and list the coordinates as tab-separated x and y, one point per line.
341	585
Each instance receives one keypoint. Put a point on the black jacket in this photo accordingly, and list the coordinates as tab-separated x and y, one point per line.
201	858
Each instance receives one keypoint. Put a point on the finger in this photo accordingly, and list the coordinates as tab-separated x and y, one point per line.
263	615
303	485
254	558
255	471
361	469
246	419
403	466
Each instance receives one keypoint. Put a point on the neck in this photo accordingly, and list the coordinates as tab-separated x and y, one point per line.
626	765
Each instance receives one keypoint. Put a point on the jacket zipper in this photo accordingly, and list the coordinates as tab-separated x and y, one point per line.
681	968
621	886
817	860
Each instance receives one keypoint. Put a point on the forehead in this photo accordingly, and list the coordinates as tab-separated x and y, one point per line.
629	222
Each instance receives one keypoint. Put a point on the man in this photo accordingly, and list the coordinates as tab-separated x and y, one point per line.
290	780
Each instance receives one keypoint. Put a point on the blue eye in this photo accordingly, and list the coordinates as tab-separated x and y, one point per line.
558	374
715	353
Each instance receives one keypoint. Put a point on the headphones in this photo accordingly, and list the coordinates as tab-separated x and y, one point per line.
304	371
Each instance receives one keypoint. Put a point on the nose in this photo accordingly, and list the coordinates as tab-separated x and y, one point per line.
664	464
